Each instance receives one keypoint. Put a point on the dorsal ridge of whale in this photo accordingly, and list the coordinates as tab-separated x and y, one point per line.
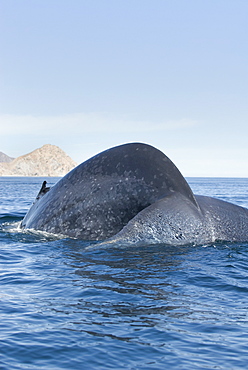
100	196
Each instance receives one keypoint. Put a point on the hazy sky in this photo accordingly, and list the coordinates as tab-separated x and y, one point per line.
90	74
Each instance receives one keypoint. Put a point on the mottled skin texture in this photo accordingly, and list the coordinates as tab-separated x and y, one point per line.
175	220
133	193
95	200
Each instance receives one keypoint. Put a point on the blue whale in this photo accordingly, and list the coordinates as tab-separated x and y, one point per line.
133	194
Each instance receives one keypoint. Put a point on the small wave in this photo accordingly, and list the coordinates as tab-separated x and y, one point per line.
11	217
124	244
42	234
14	230
11	226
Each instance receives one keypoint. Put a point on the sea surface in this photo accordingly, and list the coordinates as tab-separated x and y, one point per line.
63	306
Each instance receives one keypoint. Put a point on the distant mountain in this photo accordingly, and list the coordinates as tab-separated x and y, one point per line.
4	158
49	160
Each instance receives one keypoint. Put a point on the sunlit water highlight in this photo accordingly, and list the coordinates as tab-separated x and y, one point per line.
67	307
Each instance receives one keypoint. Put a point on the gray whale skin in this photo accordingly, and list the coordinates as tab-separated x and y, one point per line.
133	194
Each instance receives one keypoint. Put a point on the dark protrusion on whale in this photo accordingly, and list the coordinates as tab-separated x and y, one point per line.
44	189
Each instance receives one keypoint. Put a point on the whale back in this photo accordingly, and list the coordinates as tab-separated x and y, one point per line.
98	198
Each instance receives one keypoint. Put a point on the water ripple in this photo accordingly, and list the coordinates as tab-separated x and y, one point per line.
67	307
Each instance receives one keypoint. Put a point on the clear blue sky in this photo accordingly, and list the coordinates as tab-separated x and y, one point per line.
90	74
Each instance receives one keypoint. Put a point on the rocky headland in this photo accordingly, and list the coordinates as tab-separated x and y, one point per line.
4	158
49	160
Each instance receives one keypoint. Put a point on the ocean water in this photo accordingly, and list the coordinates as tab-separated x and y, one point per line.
65	307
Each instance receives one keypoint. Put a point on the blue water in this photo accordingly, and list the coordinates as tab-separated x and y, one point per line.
65	307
